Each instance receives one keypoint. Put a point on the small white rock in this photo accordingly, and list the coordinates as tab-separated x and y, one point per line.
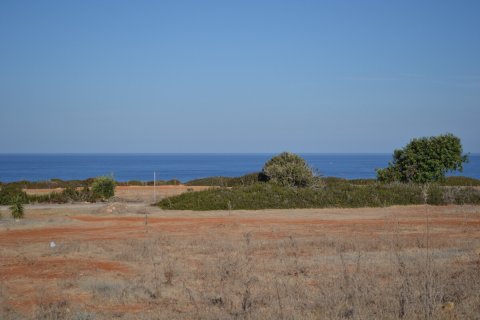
53	244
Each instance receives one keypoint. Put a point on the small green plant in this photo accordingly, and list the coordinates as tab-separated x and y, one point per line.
104	187
17	209
288	170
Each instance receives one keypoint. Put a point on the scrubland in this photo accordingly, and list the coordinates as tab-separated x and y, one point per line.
134	261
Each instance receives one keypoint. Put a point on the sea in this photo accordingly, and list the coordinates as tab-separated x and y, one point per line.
185	167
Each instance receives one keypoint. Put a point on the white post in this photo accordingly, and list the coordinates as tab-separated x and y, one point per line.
154	187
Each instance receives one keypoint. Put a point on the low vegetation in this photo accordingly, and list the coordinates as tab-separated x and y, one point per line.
245	180
59	183
286	182
12	193
172	182
16	209
253	178
50	184
342	195
104	187
68	195
391	264
460	181
453	181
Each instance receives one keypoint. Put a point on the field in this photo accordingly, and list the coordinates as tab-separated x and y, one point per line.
134	193
134	261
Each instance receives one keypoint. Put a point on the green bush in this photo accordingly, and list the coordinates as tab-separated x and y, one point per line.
66	196
425	160
16	209
333	181
274	196
288	170
130	183
362	181
245	180
460	181
172	182
51	184
10	193
104	187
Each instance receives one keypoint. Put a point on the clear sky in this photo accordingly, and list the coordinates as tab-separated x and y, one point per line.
237	76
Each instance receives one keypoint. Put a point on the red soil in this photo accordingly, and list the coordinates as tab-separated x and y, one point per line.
19	273
55	268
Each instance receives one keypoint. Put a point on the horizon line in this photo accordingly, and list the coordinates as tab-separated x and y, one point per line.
190	153
202	153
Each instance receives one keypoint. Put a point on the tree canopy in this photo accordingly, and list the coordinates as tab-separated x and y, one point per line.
425	160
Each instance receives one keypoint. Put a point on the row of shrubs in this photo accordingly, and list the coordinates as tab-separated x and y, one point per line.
273	196
101	188
244	180
59	183
253	178
49	184
453	181
68	195
172	182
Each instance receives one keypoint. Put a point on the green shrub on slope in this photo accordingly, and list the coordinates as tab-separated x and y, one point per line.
272	196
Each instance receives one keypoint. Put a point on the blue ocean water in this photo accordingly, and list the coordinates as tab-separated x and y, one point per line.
184	167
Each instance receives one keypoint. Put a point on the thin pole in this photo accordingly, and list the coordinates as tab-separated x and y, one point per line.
154	187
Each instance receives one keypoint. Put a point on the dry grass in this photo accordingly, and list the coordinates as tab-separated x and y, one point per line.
385	263
134	193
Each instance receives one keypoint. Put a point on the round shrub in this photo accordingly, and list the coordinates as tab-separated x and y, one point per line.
288	169
104	187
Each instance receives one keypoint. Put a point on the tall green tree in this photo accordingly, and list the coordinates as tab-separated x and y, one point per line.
425	160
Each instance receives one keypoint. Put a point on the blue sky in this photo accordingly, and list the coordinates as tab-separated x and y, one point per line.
237	76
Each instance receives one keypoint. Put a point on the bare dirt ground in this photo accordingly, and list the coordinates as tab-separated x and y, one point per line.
134	261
